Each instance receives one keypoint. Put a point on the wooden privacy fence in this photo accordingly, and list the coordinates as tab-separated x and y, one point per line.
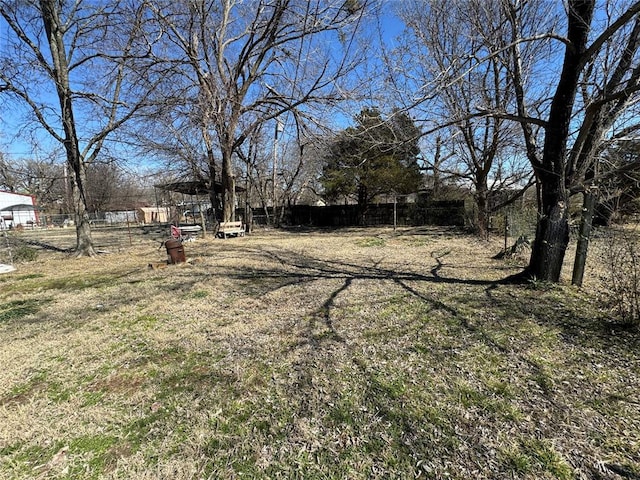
445	213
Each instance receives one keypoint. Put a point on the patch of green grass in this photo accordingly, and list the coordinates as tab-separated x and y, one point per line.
75	283
343	411
544	381
144	322
197	294
36	283
22	392
96	452
17	278
501	388
546	458
371	242
60	358
388	386
30	276
86	457
401	299
418	242
422	349
18	309
194	374
541	285
516	460
92	398
487	401
10	448
396	315
25	253
470	397
58	392
627	442
27	457
40	383
536	455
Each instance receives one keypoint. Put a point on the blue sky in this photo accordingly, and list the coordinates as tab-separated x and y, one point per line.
20	140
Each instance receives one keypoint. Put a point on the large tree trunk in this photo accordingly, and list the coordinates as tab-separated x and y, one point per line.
211	163
552	232
552	235
55	33
482	205
228	187
84	239
213	194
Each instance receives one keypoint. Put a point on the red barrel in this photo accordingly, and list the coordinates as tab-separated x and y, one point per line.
175	250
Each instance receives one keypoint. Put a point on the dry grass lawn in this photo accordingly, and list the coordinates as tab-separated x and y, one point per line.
347	354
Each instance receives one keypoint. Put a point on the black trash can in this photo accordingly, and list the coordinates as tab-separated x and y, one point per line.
175	251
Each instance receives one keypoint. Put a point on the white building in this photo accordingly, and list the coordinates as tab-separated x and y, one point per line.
17	209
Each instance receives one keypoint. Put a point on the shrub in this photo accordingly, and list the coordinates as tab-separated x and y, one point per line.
621	279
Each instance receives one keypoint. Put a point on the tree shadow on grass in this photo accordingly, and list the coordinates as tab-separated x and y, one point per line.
19	310
579	319
487	315
289	268
296	268
487	318
411	433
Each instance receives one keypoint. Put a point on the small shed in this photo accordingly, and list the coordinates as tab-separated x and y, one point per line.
17	209
148	215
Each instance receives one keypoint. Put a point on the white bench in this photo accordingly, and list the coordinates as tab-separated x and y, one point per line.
231	228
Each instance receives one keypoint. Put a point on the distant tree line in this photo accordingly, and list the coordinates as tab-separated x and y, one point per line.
109	188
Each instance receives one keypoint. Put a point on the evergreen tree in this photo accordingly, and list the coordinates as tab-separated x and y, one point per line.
376	156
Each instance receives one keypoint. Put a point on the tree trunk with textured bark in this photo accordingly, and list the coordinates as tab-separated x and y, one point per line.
55	37
482	204
228	186
584	235
552	231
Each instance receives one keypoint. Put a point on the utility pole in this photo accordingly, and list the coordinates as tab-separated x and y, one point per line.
279	129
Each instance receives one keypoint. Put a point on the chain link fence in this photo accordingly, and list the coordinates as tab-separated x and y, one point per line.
516	225
22	245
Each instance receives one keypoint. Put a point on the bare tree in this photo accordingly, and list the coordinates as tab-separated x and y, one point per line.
574	126
609	94
44	179
78	69
281	186
569	92
106	187
245	63
464	72
9	178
